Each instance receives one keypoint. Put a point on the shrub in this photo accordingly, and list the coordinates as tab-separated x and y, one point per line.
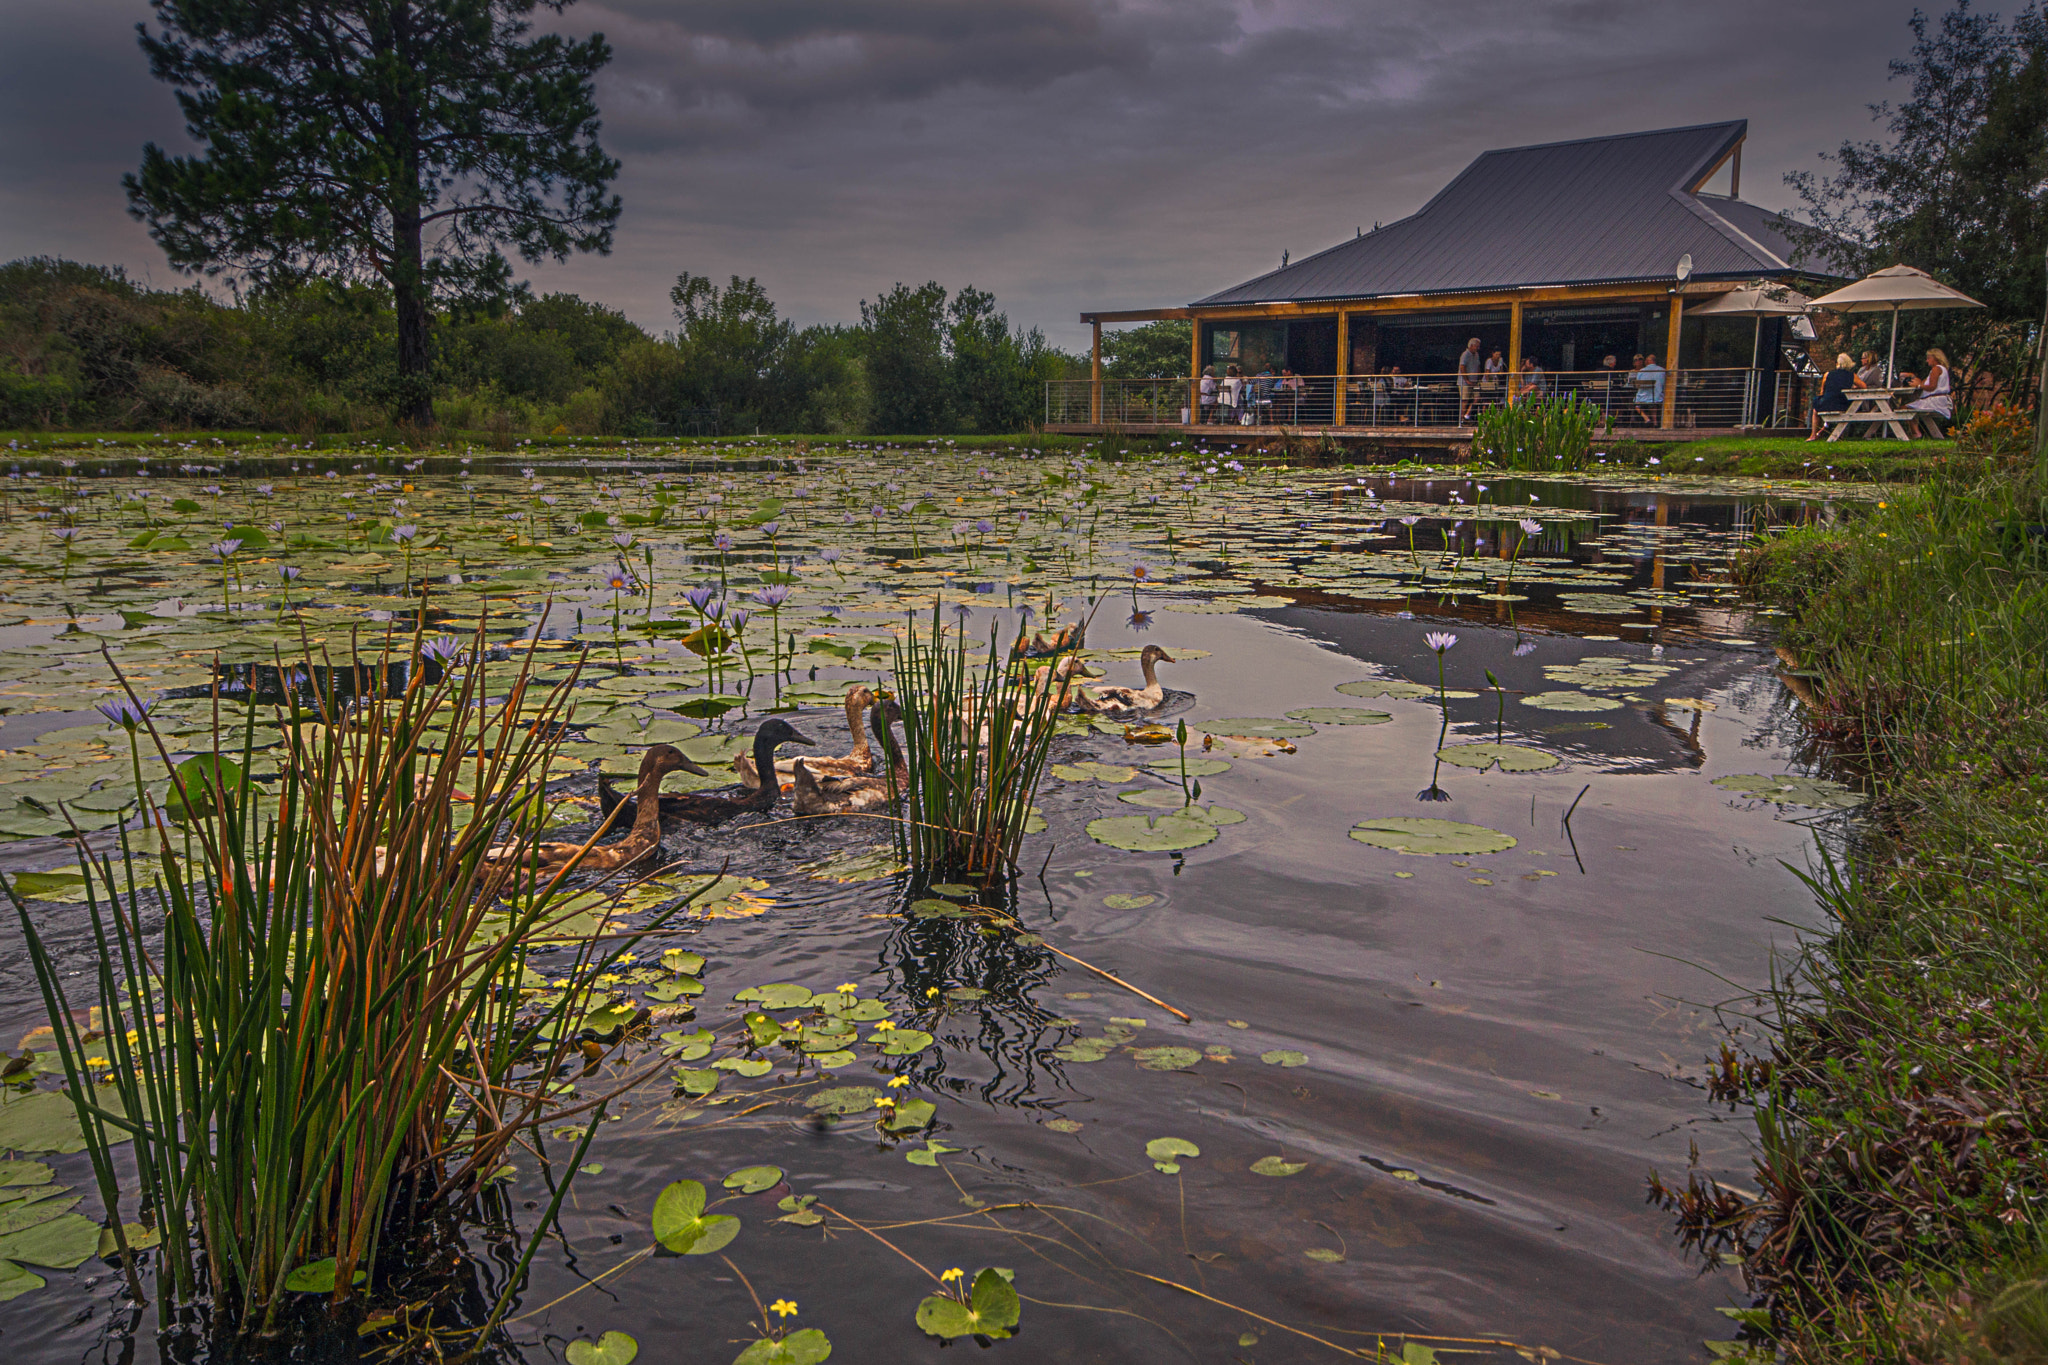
1537	434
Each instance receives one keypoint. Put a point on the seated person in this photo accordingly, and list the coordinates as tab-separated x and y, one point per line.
1936	403
1834	393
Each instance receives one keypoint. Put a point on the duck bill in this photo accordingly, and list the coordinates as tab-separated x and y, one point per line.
690	765
797	736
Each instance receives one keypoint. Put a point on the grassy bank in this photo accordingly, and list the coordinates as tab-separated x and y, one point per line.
1902	1112
484	442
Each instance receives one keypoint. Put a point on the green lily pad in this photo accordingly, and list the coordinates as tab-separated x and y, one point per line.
1166	1058
1571	701
1369	688
1084	1050
1419	834
1063	1125
1165	1153
17	1280
46	1121
1092	771
317	1277
1339	715
929	1154
1126	901
694	1080
680	1224
20	1173
1278	1166
613	1348
754	1179
1789	789
902	1042
1324	1254
1513	758
781	996
1151	833
910	1116
63	1243
991	1310
1258	727
956	890
1197	767
808	1347
37	1208
1284	1057
845	1099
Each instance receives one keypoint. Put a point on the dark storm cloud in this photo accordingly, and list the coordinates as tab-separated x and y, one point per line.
1065	154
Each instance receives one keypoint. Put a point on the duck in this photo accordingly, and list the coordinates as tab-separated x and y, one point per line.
824	794
857	762
641	839
1121	700
701	808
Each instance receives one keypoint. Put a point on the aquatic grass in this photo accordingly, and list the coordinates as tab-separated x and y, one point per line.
976	742
1899	1101
1549	434
331	1035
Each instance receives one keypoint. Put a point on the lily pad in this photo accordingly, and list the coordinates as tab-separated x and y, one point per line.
1786	789
1369	688
17	1280
46	1121
317	1277
845	1099
1340	715
745	1066
1196	767
910	1116
1258	727
1278	1166
1166	1058
1166	1152
63	1243
808	1347
613	1348
902	1042
19	1173
1123	900
1571	701
1151	833
781	996
680	1224
1419	834
1171	798
1284	1057
1513	758
754	1179
1092	771
991	1310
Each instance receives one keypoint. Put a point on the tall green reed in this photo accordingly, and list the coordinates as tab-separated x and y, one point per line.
1539	434
331	1035
976	741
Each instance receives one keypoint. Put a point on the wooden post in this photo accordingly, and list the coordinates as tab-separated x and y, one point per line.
1343	367
1095	378
1671	359
1195	371
1512	377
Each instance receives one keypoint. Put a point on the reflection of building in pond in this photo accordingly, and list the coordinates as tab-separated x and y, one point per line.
1563	255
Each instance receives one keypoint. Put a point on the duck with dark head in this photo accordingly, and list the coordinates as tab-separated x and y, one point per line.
703	808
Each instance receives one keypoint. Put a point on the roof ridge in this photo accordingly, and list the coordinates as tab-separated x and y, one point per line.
1615	137
1732	232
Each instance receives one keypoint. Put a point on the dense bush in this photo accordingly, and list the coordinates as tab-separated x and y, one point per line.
85	347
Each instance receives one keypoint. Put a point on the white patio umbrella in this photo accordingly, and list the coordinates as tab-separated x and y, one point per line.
1759	300
1893	290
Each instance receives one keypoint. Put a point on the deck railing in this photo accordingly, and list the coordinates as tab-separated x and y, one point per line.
1720	398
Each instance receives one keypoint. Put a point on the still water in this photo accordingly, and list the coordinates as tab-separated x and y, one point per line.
1477	1057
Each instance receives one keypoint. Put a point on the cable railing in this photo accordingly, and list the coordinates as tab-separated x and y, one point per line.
1716	397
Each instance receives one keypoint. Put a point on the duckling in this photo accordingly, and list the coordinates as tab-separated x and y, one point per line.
702	809
826	795
857	762
642	839
1121	700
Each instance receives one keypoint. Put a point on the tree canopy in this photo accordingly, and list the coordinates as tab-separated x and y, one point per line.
405	142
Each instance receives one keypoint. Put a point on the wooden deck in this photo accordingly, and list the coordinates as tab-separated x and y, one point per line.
1219	434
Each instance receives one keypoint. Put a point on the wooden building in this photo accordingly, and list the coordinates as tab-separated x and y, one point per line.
1564	253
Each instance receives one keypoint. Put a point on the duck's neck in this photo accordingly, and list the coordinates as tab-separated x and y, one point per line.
861	750
1149	664
764	795
647	809
891	753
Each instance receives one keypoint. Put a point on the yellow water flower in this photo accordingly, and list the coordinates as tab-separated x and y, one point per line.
846	988
899	1082
954	1274
783	1307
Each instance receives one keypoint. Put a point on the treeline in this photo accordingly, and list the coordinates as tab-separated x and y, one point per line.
85	347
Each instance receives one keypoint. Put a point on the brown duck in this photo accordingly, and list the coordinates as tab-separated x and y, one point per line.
856	763
702	809
641	839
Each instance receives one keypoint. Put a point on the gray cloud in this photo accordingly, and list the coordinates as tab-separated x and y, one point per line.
1065	154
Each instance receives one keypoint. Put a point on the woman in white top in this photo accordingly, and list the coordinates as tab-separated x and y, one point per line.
1233	392
1936	403
1208	395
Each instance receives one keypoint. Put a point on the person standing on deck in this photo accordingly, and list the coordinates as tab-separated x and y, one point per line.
1208	394
1470	367
1495	375
1650	391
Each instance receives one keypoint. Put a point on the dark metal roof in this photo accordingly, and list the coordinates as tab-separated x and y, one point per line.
1603	209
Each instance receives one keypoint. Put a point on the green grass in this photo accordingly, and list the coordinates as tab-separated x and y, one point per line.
1901	1111
1788	457
31	442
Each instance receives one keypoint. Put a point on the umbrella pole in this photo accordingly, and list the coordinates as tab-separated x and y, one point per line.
1756	344
1891	374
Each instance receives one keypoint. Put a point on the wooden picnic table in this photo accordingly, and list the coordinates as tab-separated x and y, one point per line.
1873	407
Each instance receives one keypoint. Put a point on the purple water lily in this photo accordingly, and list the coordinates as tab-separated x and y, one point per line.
772	597
700	598
123	712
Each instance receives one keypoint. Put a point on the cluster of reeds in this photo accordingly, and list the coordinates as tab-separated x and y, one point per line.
332	1026
1537	433
976	740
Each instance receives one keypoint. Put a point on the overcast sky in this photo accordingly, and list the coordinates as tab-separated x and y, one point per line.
1064	154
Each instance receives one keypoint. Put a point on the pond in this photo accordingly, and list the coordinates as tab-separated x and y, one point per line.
1428	1066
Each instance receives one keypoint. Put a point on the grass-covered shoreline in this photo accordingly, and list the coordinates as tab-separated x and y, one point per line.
1902	1110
